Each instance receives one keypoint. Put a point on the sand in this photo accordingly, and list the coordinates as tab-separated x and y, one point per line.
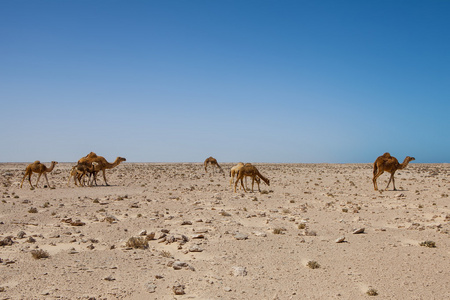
212	243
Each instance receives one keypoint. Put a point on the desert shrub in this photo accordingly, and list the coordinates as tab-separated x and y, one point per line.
33	210
137	243
372	292
277	230
39	253
312	264
301	226
429	244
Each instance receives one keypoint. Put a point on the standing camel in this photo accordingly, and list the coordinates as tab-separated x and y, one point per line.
39	168
102	164
251	171
213	162
388	163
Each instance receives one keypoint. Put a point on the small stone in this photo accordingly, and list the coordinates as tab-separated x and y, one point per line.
240	236
195	248
178	265
151	287
227	289
341	239
198	236
143	232
21	234
260	233
239	271
186	223
109	278
178	289
151	236
359	230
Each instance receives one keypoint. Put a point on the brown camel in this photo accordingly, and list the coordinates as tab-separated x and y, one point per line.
388	163
234	171
251	171
39	168
213	162
102	164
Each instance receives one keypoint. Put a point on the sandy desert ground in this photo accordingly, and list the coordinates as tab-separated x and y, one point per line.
212	243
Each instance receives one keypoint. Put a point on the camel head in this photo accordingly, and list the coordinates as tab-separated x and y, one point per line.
409	158
121	159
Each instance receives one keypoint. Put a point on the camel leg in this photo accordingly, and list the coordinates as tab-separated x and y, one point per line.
231	178
23	179
375	185
242	184
390	179
38	179
104	177
46	179
258	186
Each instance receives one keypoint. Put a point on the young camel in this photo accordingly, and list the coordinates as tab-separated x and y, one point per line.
213	162
80	170
102	164
251	171
235	170
39	168
388	163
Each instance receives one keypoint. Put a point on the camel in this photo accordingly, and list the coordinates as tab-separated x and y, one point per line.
39	168
235	170
80	170
213	162
251	171
388	163
102	164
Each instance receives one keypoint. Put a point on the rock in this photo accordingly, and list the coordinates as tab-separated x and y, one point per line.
260	233
227	289
178	265
186	223
359	230
239	271
150	287
341	239
21	234
109	278
178	289
198	236
151	236
240	236
195	248
143	232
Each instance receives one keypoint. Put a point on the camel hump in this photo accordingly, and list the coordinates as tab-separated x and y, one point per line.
386	155
37	162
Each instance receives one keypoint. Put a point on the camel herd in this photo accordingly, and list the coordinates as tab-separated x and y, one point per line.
90	165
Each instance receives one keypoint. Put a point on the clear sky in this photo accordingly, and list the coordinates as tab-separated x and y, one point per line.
246	80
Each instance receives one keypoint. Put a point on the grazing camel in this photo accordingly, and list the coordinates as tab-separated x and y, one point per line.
388	163
213	162
251	171
234	171
102	163
39	168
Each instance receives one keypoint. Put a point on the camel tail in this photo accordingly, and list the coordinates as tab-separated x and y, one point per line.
375	168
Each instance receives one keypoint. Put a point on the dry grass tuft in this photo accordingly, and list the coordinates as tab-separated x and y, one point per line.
312	264
39	253
33	210
137	243
372	292
165	253
429	244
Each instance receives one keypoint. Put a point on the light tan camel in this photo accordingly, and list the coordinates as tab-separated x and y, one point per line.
102	164
234	171
388	163
81	170
213	162
251	171
39	168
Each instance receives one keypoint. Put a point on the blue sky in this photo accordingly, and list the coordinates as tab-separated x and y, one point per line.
252	81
